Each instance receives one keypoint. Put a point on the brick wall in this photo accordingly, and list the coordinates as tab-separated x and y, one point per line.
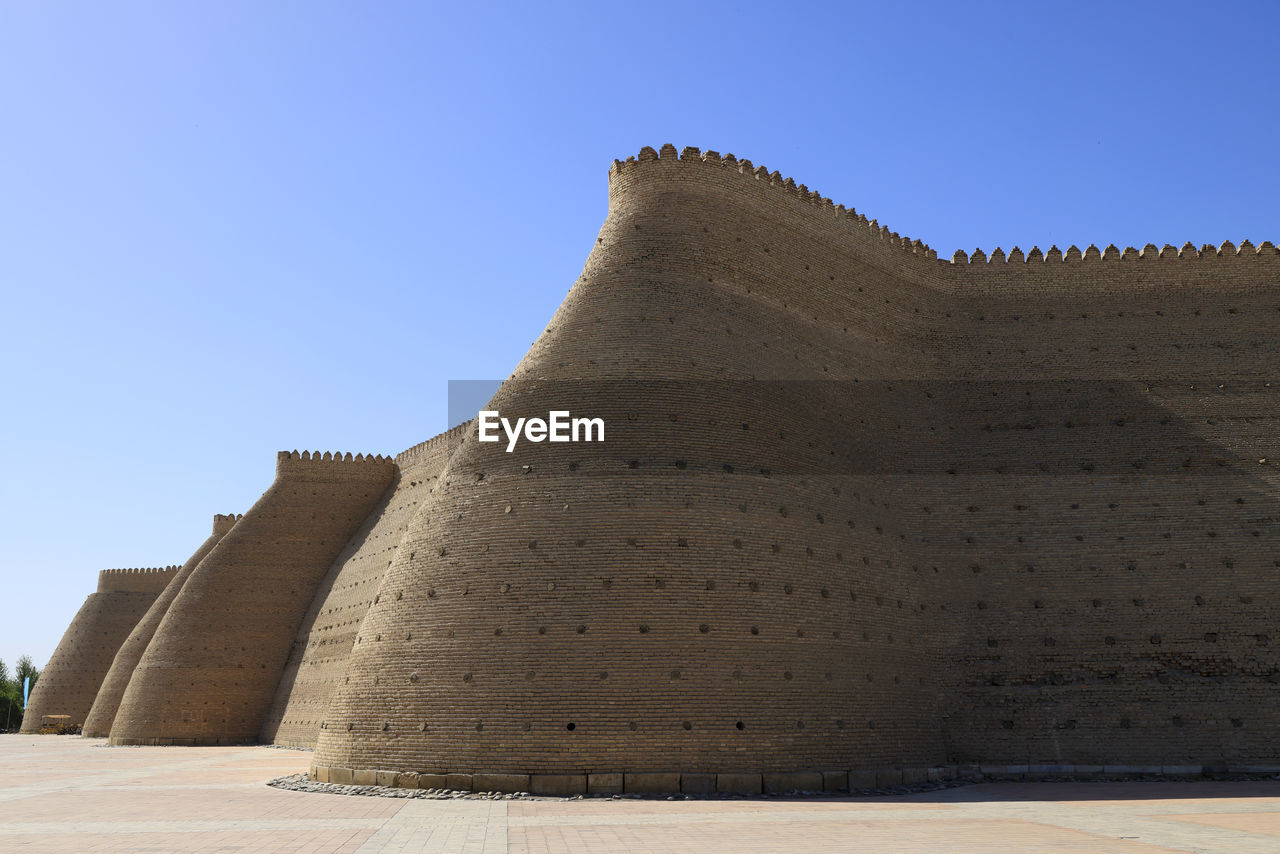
857	508
317	661
1004	510
727	583
70	680
211	670
106	702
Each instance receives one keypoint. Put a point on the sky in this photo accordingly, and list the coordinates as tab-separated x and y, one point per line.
232	228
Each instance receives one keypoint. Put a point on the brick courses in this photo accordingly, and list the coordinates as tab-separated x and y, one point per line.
107	700
860	513
211	670
70	680
318	659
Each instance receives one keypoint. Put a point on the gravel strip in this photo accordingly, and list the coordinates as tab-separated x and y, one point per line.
303	783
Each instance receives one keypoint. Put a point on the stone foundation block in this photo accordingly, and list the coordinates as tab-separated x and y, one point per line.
320	773
364	777
835	781
604	784
803	781
433	781
888	777
1004	772
697	784
862	780
406	780
652	783
505	783
913	776
560	785
461	782
1251	769
387	778
1181	770
1050	770
740	784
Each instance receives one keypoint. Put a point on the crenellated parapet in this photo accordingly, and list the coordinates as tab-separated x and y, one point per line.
331	457
729	164
1148	254
447	439
1265	253
149	580
329	465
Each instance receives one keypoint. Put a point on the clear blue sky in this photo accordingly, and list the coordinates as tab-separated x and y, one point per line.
230	228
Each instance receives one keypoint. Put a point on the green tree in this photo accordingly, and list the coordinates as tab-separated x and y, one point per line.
11	692
10	701
26	669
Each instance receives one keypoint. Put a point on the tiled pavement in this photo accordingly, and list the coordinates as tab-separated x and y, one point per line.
69	794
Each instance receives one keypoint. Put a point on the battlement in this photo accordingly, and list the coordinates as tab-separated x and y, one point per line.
328	465
997	259
329	456
224	522
728	163
141	580
1148	253
446	439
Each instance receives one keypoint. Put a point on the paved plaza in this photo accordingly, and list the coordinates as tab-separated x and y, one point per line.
63	793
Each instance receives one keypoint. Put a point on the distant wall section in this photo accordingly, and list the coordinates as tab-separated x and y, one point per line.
70	680
211	671
103	713
318	659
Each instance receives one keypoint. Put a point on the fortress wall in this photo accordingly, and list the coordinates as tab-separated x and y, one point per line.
729	582
70	680
102	714
1123	561
857	508
151	581
211	670
318	658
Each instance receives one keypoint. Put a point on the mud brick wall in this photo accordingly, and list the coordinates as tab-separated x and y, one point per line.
728	582
857	508
107	701
70	680
211	670
318	659
1115	508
